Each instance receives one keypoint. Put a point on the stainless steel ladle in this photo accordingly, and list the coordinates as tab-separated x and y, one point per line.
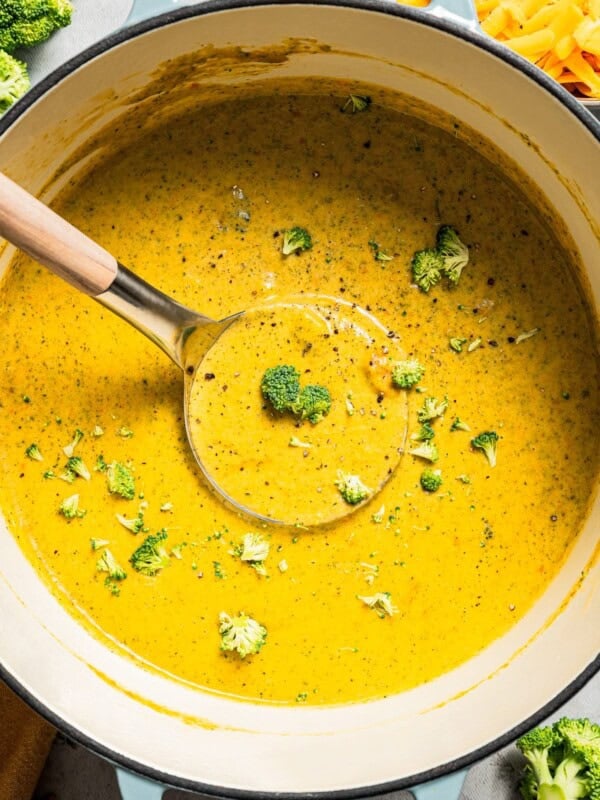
183	334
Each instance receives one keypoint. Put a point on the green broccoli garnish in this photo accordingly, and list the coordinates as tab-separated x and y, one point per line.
431	409
563	761
253	549
69	449
151	556
26	23
424	434
381	603
313	403
356	103
120	480
406	374
295	240
430	480
69	507
14	80
378	253
459	425
456	344
297	442
108	563
34	453
488	442
280	385
352	489
98	544
454	253
135	524
426	450
241	633
427	268
76	465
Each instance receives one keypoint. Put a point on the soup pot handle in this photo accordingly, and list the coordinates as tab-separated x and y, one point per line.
461	11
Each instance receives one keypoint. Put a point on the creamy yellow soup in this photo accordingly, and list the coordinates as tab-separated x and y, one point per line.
199	208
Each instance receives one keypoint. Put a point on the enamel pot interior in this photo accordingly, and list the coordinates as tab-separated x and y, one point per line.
188	738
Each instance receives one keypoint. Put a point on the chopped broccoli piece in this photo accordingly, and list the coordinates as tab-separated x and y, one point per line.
563	761
381	602
431	480
108	563
253	549
296	442
26	23
427	267
135	524
14	80
69	507
280	385
378	253
454	253
459	425
295	240
432	409
120	480
488	442
405	374
67	475
378	516
356	103
34	453
98	544
98	431
100	465
152	555
313	403
76	465
424	434
241	634
426	450
69	449
352	489
456	344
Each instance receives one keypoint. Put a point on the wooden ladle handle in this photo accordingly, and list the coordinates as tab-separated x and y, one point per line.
48	238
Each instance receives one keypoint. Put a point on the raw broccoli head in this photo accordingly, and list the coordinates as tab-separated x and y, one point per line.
14	80
295	240
281	386
151	556
454	253
488	442
241	634
26	23
427	268
313	403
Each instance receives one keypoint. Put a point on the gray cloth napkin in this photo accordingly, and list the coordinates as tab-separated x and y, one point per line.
494	778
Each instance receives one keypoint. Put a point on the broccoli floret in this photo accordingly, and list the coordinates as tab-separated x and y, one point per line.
152	555
427	268
424	434
295	240
378	253
313	403
280	385
456	344
431	480
69	449
406	374
426	450
296	442
381	603
14	80
108	563
120	480
488	442
453	251
241	633
459	425
98	544
76	465
135	524
352	489
69	507
431	409
356	103
253	549
34	453
26	23
559	765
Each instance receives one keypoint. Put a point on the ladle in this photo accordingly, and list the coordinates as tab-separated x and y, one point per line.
183	334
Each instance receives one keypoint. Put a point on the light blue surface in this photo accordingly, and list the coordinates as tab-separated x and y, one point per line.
144	9
132	787
446	788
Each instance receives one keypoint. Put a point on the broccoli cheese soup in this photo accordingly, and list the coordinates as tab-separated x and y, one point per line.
482	394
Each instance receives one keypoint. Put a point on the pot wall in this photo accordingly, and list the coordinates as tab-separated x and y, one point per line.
173	732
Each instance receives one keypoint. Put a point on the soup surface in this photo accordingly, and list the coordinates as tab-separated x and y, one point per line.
411	583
